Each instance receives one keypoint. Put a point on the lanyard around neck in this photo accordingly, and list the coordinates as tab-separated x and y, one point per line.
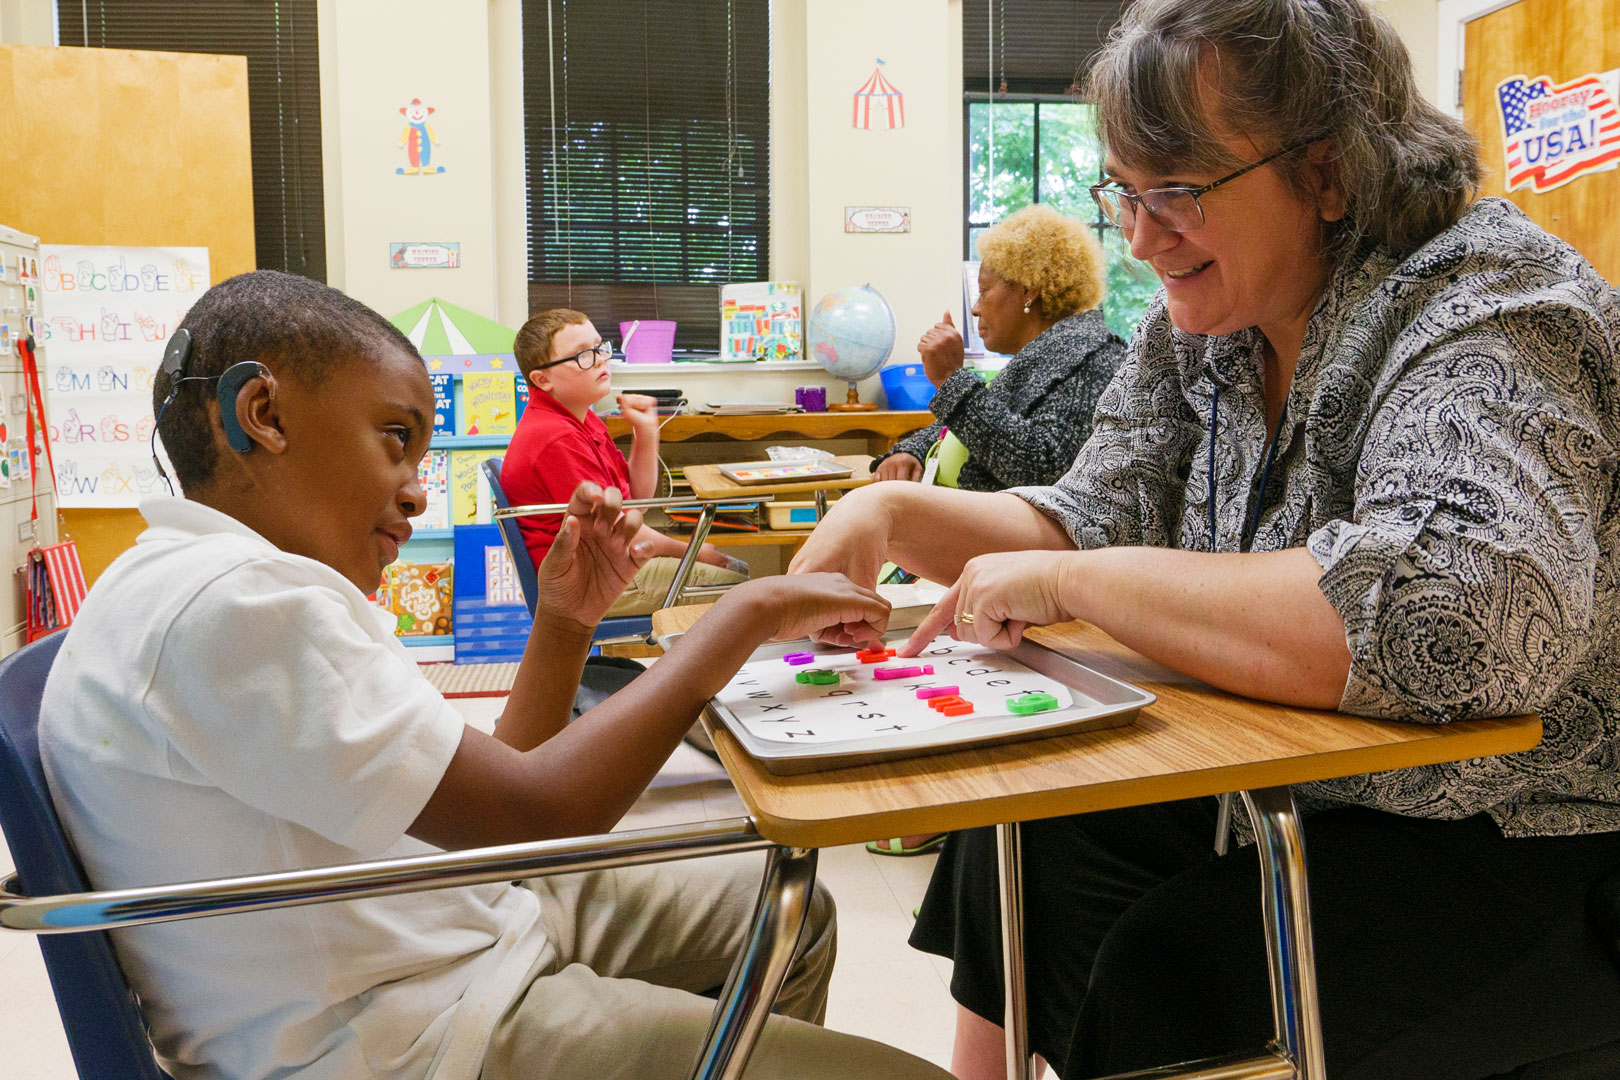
1251	522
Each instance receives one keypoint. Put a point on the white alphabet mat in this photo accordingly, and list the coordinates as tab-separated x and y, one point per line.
794	726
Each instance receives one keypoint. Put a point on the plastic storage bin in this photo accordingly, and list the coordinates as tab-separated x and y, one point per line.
791	515
906	387
648	341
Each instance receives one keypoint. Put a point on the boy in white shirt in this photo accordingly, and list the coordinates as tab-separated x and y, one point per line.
228	702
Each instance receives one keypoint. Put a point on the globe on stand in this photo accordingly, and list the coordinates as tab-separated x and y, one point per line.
851	333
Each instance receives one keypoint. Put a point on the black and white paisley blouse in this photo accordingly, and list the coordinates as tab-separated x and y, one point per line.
1025	426
1449	456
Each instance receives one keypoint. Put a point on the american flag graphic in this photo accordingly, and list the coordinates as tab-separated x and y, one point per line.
1555	134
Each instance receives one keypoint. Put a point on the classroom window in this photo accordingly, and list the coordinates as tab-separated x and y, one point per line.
1042	151
278	37
647	155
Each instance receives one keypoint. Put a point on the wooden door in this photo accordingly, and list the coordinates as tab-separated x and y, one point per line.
1563	40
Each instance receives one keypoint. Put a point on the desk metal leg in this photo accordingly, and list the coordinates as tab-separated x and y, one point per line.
1290	953
700	533
761	966
1015	1017
1223	824
821	503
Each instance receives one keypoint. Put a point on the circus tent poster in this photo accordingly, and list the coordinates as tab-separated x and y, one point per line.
879	103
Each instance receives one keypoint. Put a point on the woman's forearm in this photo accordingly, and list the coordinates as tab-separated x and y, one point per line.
1254	624
931	531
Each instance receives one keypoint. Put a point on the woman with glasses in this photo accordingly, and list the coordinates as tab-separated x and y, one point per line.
560	443
1362	455
1041	279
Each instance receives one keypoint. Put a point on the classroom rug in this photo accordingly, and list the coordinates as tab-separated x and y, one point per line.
471	680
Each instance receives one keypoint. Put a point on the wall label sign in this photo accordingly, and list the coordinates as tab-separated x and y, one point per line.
424	256
877	219
1553	134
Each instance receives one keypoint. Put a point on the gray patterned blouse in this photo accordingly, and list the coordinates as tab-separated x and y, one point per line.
1449	456
1026	426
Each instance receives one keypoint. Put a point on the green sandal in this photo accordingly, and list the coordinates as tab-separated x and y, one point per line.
894	846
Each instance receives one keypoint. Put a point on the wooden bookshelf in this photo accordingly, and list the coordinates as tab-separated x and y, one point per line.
880	428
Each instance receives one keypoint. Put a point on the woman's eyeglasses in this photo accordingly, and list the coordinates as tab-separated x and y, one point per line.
601	353
1174	208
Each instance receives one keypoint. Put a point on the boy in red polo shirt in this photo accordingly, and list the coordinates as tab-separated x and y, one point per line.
560	442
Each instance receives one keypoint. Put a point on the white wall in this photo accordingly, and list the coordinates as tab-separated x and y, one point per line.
819	162
374	59
1418	23
27	22
919	166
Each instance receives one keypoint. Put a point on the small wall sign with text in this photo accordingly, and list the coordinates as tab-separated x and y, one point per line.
878	219
424	256
1554	134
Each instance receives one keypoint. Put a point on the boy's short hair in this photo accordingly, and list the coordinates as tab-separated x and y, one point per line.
533	345
300	329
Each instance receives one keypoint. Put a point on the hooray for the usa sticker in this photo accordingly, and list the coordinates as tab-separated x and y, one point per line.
1553	134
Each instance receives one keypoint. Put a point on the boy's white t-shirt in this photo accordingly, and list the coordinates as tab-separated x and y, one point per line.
222	707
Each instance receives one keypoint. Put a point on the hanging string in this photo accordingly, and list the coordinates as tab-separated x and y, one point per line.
732	164
1075	89
551	95
647	151
990	103
1002	38
568	163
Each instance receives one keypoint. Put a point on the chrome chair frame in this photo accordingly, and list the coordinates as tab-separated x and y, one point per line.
694	544
739	1016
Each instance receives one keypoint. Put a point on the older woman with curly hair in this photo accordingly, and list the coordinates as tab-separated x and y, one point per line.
1041	278
1364	454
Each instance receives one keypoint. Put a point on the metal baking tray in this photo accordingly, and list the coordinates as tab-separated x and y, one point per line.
1101	702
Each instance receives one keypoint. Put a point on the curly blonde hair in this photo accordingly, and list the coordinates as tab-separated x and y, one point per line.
1038	248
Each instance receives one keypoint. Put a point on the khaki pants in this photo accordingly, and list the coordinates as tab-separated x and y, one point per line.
615	992
647	590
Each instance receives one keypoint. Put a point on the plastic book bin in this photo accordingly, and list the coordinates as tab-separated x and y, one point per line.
906	387
648	341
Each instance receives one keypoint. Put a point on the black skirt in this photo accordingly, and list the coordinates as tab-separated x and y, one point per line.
1444	950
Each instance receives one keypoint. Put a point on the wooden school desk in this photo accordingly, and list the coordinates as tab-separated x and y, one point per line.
708	482
1193	741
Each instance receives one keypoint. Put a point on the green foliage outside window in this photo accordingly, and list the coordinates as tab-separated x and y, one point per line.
1070	162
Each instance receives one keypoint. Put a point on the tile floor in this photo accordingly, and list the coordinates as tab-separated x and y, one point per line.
881	987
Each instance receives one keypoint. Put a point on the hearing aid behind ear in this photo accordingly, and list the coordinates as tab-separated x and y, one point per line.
172	372
230	385
173	368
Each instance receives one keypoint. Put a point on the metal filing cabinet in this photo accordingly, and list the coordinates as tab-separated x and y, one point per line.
20	299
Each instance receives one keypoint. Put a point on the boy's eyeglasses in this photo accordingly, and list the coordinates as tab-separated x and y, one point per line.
1174	208
601	353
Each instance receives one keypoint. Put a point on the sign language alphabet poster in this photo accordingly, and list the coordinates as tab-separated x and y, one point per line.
108	311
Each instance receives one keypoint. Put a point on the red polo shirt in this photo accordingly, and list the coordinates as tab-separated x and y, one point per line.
550	454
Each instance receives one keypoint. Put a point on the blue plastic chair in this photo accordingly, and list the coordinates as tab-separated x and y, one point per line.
622	627
105	1029
101	1015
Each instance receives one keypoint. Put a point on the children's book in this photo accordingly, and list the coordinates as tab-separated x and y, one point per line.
489	403
434	474
470	498
444	402
522	386
761	320
419	595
